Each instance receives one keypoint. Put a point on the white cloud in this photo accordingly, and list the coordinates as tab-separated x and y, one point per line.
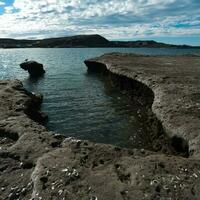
111	18
8	9
2	3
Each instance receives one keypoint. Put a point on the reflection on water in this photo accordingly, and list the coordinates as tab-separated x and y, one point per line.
125	115
79	104
33	82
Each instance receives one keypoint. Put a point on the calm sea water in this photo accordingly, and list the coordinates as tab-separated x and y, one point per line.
79	104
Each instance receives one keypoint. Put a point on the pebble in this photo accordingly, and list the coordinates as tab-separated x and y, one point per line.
174	186
195	175
60	192
165	187
153	182
142	150
29	184
185	170
20	164
13	188
47	172
65	170
23	191
75	173
93	198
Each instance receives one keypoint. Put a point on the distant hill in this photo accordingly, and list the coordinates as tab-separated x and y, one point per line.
150	43
82	41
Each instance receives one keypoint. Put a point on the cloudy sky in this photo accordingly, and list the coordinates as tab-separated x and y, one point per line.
172	21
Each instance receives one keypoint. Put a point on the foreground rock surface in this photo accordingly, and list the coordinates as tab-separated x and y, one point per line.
38	164
34	68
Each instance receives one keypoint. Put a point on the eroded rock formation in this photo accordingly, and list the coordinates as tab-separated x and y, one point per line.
176	87
38	164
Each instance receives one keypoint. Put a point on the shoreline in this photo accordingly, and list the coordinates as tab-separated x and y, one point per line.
160	81
39	164
137	91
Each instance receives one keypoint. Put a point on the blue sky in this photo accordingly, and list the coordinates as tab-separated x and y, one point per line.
170	21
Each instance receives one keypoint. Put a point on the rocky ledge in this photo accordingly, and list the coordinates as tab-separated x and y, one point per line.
175	84
38	164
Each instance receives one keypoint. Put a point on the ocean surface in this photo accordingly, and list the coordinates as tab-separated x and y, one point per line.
80	104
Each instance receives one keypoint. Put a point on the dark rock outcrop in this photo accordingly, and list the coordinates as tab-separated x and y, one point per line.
34	68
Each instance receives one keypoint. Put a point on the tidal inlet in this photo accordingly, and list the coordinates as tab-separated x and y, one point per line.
99	100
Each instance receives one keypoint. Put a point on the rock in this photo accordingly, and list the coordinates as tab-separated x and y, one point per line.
174	83
34	68
39	164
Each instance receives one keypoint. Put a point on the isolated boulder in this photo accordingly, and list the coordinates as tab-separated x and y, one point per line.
34	68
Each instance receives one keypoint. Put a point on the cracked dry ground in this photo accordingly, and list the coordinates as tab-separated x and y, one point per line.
38	164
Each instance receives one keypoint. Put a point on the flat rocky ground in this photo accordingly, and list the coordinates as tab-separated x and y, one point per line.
38	164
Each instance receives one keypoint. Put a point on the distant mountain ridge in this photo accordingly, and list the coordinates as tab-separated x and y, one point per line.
83	41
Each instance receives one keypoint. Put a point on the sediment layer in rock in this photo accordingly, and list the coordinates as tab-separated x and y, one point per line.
38	164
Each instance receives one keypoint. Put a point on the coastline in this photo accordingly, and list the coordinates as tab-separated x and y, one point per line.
174	83
39	164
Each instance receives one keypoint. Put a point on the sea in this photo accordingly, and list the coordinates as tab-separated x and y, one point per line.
80	104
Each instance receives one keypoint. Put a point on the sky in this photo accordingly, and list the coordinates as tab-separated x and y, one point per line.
170	21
